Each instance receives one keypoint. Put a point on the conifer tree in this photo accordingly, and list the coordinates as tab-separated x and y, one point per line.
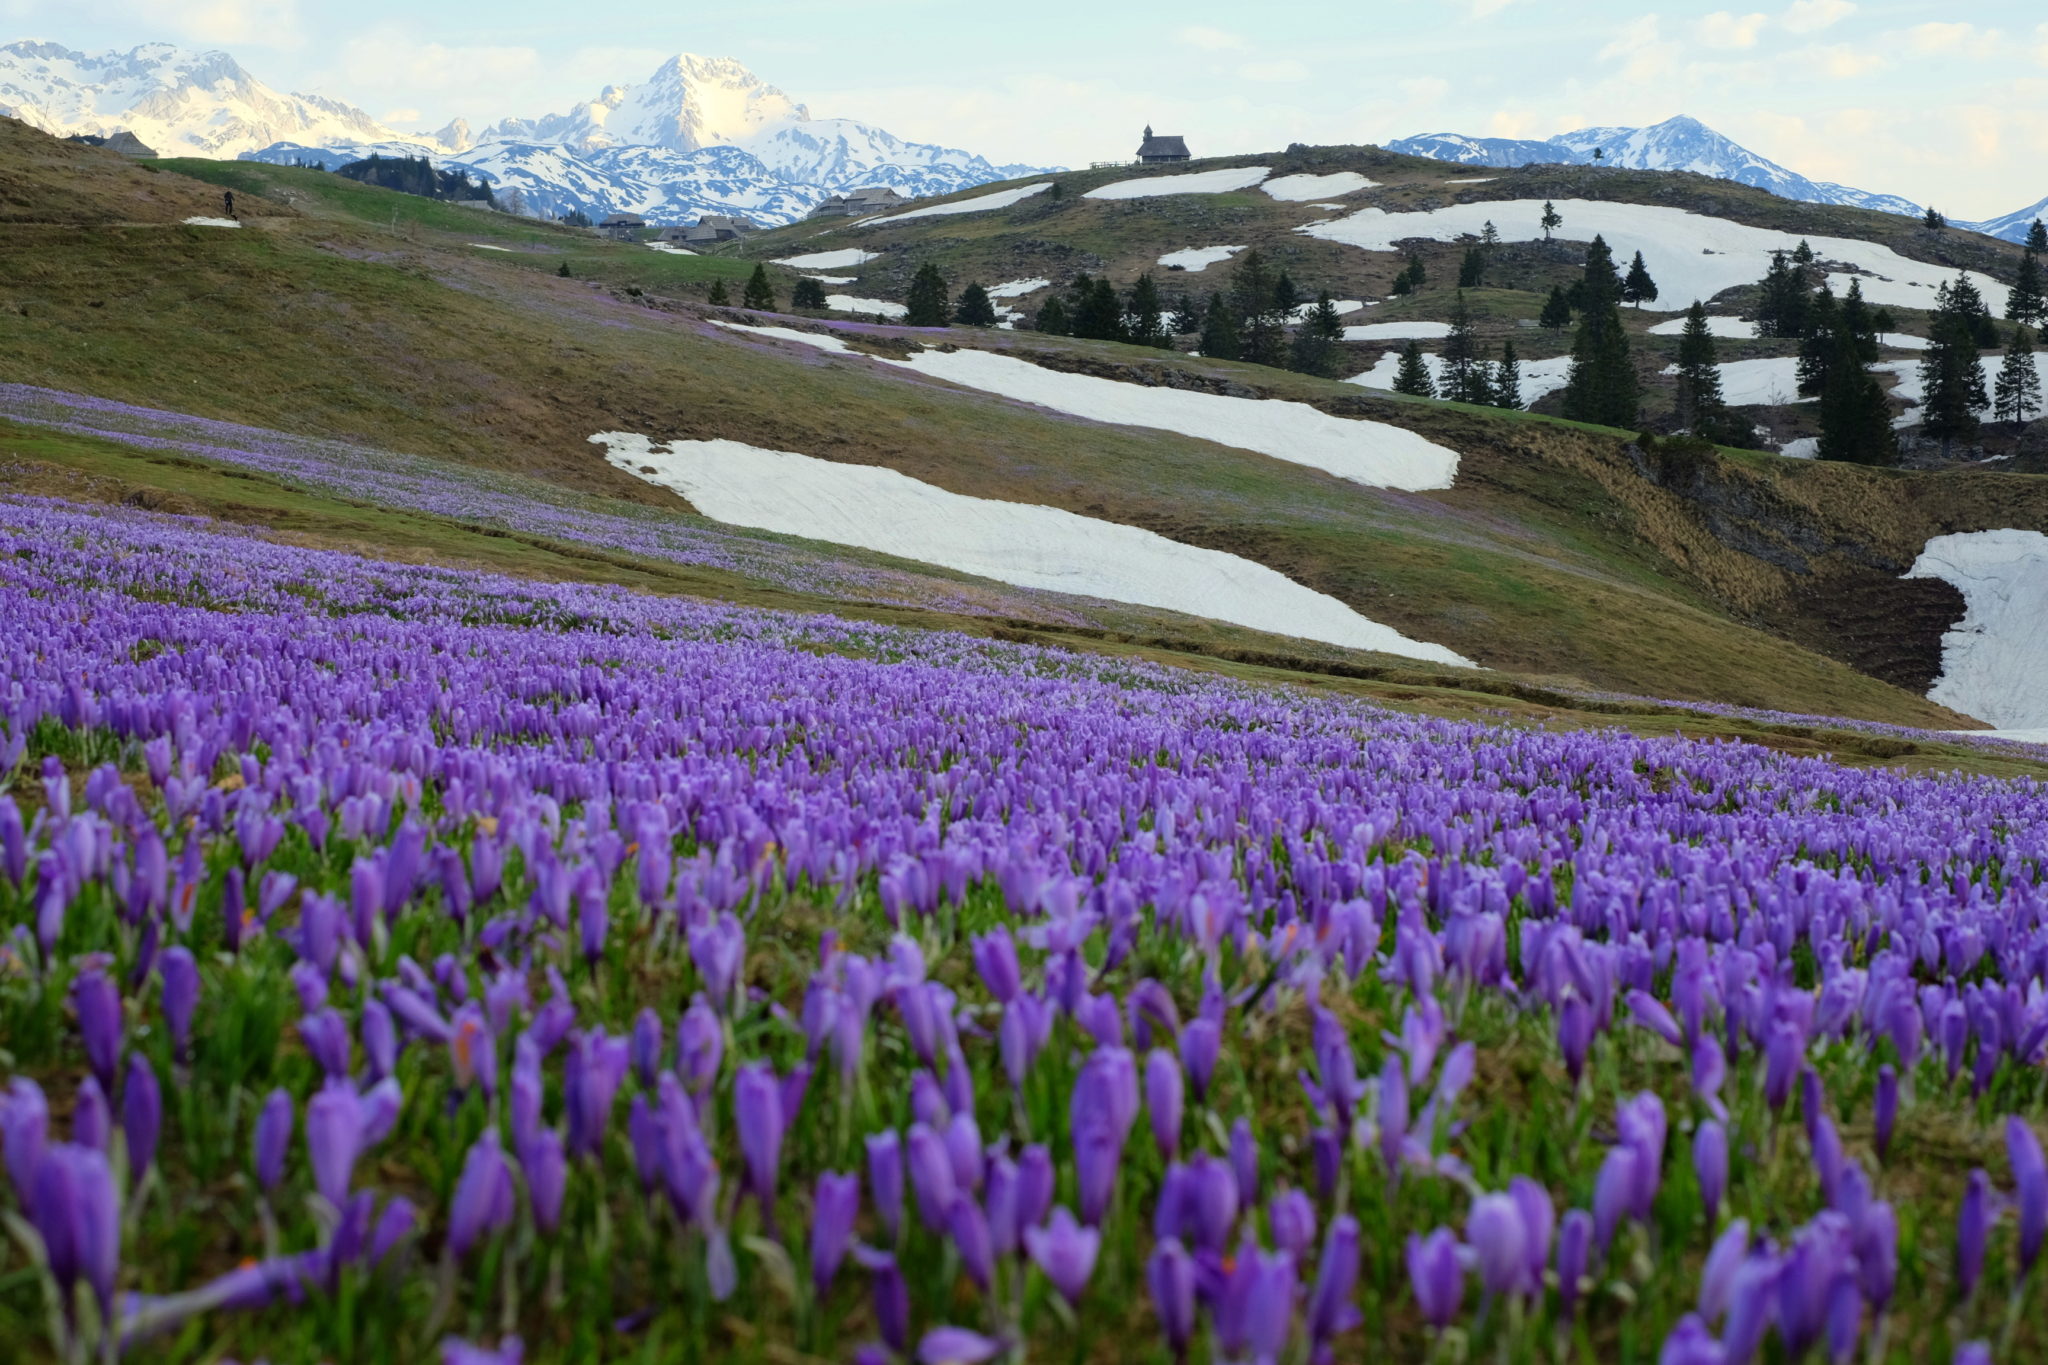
1464	379
2037	238
1413	376
1099	314
1951	379
1412	277
2026	304
1507	377
1187	318
563	271
1933	221
1603	388
1489	237
808	293
1053	319
1315	341
1855	416
717	297
1472	270
1219	331
1639	288
1817	347
1286	296
1147	322
1551	219
1699	374
928	304
1261	324
1557	310
1969	303
974	308
759	294
2016	397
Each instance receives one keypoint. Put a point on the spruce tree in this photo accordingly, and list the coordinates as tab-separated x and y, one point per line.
928	304
1639	288
1969	303
1817	347
1413	376
1099	314
2037	238
1315	341
759	295
1472	270
1551	219
1952	380
1261	325
1187	318
1286	296
1855	417
1147	318
1052	318
1507	377
1933	221
563	271
1603	388
1557	310
1489	237
1463	378
975	309
809	293
1699	374
2027	300
717	297
1219	331
2016	397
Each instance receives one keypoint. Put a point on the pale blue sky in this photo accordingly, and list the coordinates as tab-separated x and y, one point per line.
1943	102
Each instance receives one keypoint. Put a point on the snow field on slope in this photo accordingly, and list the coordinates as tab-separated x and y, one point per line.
981	203
881	308
1397	331
1772	381
1691	255
1017	289
1198	258
1805	448
832	279
828	260
1300	189
213	222
1732	329
1474	180
1994	662
1539	377
1189	182
1018	543
486	246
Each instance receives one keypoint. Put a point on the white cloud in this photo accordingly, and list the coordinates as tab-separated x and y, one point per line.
1962	38
1210	39
1844	63
398	116
1424	89
1640	48
1728	30
1282	72
1811	16
1481	9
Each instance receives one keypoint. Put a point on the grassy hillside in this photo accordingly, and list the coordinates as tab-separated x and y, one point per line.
1564	555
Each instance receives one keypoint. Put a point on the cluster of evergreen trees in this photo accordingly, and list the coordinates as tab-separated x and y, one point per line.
1952	375
1466	375
1603	387
416	175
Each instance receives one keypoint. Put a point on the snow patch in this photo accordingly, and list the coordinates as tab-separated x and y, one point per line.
828	260
1370	453
213	222
1017	289
881	308
665	248
1734	329
1539	377
1692	256
1301	311
1397	331
1994	662
1474	180
1299	189
1903	341
981	203
1772	381
1198	258
1191	182
1805	448
486	246
1017	543
831	279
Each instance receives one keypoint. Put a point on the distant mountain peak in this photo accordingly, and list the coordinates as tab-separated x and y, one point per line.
689	102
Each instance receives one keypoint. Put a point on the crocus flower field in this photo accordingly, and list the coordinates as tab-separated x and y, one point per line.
404	964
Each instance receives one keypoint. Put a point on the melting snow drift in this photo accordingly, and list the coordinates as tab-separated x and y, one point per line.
1018	543
879	308
1197	258
1188	182
829	260
1299	189
1717	326
213	222
1539	377
1994	662
981	203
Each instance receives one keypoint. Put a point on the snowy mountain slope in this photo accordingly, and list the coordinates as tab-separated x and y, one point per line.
842	152
1677	144
689	102
179	102
2013	226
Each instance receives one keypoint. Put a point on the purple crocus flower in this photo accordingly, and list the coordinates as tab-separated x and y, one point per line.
1170	1275
142	1115
24	1133
1539	1221
1613	1191
1575	1035
180	973
1973	1353
509	1351
646	1047
273	1139
757	1112
885	1179
2030	1175
98	1002
1035	1178
1710	1164
1330	1307
1690	1343
931	1175
995	958
719	951
1574	1248
1494	1230
1717	1276
1244	1160
92	1121
834	1207
592	1072
74	1210
1290	1213
1269	1308
1201	1042
1065	1251
1392	1112
545	1163
334	1139
1163	1099
891	1296
1436	1275
482	1201
956	1346
700	1046
1885	1109
1973	1227
968	1226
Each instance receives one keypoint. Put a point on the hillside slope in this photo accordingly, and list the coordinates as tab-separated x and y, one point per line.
1565	555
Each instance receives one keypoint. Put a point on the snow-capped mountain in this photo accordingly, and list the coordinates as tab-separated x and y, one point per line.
2013	226
1677	144
179	102
688	103
846	154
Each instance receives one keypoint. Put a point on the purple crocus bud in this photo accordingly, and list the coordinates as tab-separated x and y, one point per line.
1710	1164
1201	1042
74	1210
700	1046
1034	1185
995	958
968	1226
885	1179
1000	1204
1436	1276
1717	1276
380	1107
1290	1213
1330	1307
1494	1230
334	1139
98	1002
891	1297
142	1115
545	1163
1244	1160
482	1201
92	1121
1973	1353
1877	1254
1392	1114
380	1039
394	1225
24	1133
455	1351
647	1047
963	1149
956	1346
2030	1175
1326	1158
1170	1275
1885	1108
1065	1251
1973	1227
273	1139
1750	1299
1574	1248
834	1208
757	1111
1163	1099
592	1072
1539	1221
1784	1055
1575	1035
719	951
180	972
1690	1343
1096	1159
931	1175
1613	1190
1269	1307
472	1052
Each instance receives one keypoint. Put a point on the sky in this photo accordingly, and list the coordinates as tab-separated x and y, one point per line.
1944	103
